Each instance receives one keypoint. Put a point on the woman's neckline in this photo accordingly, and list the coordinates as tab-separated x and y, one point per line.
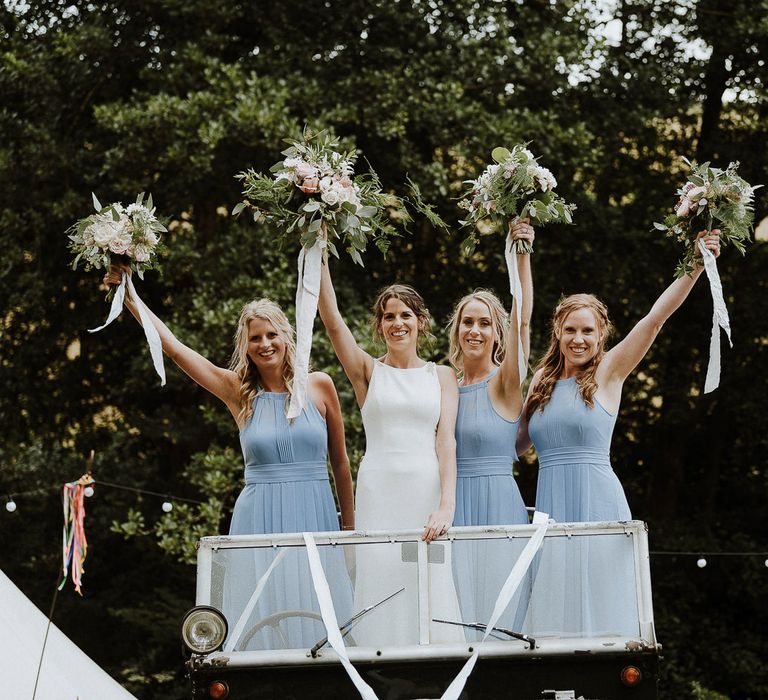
381	362
482	381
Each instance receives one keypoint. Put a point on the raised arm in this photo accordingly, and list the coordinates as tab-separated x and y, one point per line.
222	383
526	311
509	372
620	360
337	448
445	444
357	364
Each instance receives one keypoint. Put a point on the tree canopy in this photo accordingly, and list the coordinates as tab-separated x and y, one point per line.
174	98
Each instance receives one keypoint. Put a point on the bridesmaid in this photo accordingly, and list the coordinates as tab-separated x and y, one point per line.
484	351
585	585
286	475
574	397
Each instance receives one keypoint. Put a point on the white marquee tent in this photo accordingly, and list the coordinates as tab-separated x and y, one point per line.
66	673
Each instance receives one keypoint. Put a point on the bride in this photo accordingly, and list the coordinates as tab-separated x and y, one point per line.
407	478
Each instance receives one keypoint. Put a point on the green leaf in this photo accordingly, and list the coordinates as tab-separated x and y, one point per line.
314	226
500	154
309	207
366	212
238	208
96	204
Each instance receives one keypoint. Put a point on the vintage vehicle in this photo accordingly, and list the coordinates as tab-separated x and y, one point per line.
579	625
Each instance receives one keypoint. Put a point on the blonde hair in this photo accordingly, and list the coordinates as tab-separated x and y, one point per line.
243	366
412	299
499	321
552	364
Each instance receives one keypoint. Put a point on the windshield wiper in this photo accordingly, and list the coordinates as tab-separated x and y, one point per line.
346	628
480	626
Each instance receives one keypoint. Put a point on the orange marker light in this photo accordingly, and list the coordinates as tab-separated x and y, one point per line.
631	676
218	690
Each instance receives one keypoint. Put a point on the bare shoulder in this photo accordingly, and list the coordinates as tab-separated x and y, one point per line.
446	374
320	381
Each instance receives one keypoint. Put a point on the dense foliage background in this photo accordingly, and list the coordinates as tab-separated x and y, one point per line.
175	96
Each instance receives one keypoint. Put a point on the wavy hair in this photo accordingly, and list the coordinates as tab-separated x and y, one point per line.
499	321
553	362
243	366
412	299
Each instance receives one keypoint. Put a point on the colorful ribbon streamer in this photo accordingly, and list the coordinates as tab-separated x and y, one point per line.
74	544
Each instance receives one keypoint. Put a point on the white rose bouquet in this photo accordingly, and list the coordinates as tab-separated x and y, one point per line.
129	235
117	234
314	187
711	198
514	186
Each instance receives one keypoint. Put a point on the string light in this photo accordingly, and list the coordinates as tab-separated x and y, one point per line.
168	499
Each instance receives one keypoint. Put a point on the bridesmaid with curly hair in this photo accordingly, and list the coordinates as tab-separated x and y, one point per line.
574	397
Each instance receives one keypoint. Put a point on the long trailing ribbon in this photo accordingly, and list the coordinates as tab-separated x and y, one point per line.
307	294
454	690
153	337
74	542
719	318
516	289
330	621
506	594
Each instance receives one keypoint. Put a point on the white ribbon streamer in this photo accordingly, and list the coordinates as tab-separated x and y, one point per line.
237	632
150	332
454	690
307	293
328	614
506	594
719	318
516	290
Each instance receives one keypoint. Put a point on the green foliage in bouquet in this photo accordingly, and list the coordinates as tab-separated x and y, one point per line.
115	233
514	186
315	187
711	199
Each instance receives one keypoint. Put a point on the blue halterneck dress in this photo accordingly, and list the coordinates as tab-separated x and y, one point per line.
286	474
486	494
287	490
486	491
576	481
584	585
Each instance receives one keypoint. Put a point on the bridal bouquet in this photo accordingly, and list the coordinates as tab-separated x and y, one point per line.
115	233
313	193
129	235
711	198
315	187
514	186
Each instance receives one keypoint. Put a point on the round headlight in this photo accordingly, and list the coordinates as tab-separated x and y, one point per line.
203	629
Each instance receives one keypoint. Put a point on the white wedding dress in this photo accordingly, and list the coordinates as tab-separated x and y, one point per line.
398	486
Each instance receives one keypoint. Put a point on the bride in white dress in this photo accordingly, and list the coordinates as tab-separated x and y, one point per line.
407	478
